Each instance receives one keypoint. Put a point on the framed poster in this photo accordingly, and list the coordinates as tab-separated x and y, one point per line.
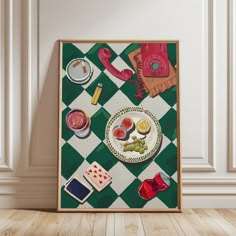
119	134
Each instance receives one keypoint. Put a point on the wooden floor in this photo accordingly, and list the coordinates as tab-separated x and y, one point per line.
191	222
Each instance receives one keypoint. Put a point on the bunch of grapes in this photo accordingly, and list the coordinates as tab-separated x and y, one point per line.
138	145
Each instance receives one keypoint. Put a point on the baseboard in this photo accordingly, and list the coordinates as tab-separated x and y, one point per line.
42	193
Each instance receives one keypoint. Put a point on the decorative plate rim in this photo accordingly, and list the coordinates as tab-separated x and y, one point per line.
143	157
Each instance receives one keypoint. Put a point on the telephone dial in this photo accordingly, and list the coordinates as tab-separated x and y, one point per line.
154	59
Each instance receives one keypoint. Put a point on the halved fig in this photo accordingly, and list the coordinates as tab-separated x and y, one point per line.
127	123
119	132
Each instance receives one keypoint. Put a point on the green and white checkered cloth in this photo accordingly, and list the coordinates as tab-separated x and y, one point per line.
77	154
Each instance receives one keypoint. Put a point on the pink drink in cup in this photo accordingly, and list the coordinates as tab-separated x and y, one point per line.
78	122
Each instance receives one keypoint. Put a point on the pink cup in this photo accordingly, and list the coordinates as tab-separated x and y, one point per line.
79	122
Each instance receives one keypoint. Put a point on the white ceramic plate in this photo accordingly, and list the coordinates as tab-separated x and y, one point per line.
153	138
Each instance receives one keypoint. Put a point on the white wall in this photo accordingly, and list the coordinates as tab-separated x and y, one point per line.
29	81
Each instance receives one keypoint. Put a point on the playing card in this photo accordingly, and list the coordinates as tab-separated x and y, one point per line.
97	176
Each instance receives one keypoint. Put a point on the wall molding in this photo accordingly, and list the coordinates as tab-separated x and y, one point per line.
30	79
24	192
6	29
31	86
231	85
205	185
208	163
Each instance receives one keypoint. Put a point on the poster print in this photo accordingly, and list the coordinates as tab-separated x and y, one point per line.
119	147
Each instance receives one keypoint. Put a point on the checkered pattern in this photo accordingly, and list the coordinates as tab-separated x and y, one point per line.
77	154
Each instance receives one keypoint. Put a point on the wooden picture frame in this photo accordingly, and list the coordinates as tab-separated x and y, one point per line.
119	126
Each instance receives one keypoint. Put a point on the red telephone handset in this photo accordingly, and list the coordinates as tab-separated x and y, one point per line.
105	55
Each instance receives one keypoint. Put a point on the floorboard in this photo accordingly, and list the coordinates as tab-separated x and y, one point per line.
191	222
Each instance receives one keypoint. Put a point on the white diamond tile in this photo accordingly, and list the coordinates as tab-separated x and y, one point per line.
63	181
175	107
118	101
83	101
155	105
119	203
120	65
84	146
62	142
175	142
118	48
96	73
63	106
121	177
84	47
155	203
175	177
80	171
150	171
63	73
85	205
116	81
164	144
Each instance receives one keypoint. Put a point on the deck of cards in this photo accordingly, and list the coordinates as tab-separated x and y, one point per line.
97	176
78	189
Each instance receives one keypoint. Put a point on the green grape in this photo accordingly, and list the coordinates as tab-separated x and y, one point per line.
142	142
141	151
137	149
125	149
145	147
134	137
138	140
126	144
131	148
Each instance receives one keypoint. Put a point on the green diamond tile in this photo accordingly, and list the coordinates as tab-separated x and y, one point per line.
170	196
70	52
171	47
169	124
67	201
167	159
170	96
92	54
66	132
99	122
70	160
102	199
70	91
103	156
129	89
131	197
137	169
124	55
108	90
